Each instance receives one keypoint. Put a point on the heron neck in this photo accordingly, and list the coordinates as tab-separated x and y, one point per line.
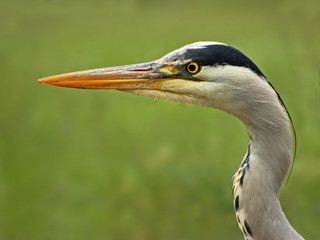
259	177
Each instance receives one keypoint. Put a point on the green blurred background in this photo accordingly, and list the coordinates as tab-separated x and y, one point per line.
79	164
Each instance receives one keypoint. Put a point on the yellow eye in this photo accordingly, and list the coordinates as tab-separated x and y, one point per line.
193	68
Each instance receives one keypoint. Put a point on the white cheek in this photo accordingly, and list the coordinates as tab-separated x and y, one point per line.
207	73
225	73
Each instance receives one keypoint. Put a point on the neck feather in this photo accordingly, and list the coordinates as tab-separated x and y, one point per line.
257	182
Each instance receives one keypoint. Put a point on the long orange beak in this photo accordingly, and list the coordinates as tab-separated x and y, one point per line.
137	76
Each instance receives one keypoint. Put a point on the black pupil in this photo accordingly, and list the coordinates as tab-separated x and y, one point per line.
192	67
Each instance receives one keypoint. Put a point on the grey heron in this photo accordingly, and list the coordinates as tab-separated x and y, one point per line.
216	75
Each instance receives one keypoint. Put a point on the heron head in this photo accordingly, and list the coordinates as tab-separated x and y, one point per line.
203	73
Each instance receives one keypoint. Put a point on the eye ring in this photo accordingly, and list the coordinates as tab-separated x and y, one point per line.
193	67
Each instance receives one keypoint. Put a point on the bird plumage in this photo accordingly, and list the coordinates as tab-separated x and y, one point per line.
223	78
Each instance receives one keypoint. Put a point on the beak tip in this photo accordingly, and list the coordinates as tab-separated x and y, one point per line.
46	81
41	80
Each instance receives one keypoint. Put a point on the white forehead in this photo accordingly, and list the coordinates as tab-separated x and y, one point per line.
196	45
199	45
